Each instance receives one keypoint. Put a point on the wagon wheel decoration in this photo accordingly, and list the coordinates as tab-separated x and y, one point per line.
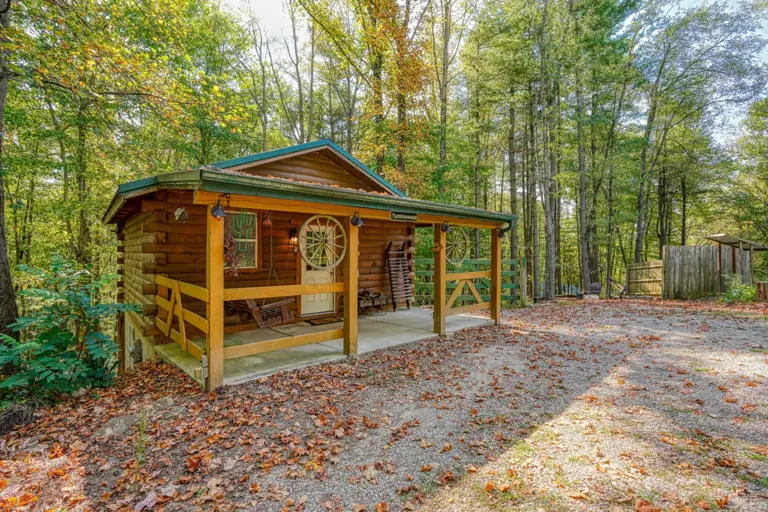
322	242
456	246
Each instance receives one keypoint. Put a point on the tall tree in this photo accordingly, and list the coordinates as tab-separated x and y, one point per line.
8	309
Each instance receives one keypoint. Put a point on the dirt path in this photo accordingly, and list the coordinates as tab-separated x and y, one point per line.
595	406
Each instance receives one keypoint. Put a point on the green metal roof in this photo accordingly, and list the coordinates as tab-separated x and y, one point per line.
236	183
318	144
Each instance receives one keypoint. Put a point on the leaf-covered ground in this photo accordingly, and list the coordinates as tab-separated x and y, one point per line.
621	405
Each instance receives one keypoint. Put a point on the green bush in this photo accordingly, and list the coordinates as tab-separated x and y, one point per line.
62	347
738	291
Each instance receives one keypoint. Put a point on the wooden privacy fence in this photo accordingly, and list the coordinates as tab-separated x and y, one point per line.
467	285
690	272
645	279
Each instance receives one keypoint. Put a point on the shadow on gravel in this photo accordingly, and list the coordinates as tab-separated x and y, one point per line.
389	427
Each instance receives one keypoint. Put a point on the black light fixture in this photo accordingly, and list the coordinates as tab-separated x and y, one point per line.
444	227
293	240
356	220
218	211
503	231
267	219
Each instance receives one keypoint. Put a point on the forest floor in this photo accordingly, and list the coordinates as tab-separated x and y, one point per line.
605	405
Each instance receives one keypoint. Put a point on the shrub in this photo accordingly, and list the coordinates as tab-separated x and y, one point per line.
738	291
62	347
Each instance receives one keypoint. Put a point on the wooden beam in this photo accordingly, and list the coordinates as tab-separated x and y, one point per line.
460	276
455	295
438	313
459	221
288	205
294	206
290	341
473	290
188	316
287	290
495	277
190	347
351	277
719	267
214	273
468	309
194	291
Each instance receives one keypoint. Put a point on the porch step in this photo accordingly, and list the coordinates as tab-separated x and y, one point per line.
171	353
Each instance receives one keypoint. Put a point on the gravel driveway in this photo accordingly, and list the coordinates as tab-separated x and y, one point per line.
621	405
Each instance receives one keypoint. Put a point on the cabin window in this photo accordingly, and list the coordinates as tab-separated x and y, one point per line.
243	227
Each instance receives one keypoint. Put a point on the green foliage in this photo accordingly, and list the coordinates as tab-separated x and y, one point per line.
739	291
62	347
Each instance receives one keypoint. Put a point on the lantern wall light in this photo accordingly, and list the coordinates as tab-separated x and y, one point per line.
218	211
293	240
356	220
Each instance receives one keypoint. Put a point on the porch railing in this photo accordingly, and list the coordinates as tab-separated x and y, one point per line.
173	309
468	285
173	317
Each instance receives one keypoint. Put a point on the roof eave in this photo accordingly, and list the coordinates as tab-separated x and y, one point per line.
224	182
254	185
182	180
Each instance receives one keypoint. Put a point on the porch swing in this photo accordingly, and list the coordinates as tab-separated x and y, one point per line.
265	314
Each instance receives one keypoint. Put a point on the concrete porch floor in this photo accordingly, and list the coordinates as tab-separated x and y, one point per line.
374	332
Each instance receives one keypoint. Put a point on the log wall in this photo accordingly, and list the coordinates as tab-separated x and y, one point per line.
137	329
157	243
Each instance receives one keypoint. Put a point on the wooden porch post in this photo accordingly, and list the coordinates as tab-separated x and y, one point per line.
351	276
214	273
719	267
741	263
438	313
495	276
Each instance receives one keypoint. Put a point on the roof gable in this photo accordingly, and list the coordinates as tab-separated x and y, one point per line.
320	162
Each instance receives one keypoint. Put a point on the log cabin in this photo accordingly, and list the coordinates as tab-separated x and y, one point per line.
296	234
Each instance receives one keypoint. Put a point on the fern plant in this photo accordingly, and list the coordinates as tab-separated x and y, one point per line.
62	347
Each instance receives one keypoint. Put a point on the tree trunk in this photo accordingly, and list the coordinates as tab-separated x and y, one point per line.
8	311
512	151
443	93
549	194
586	276
533	216
83	243
684	213
299	87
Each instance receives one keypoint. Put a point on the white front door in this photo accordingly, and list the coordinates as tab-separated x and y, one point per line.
317	303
